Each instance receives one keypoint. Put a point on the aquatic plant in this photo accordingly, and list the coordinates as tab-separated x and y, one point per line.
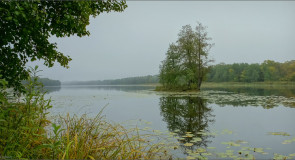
236	99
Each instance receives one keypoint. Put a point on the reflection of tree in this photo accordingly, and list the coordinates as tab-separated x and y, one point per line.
187	114
125	88
52	89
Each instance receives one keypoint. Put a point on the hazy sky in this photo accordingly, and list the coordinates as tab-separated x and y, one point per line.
134	42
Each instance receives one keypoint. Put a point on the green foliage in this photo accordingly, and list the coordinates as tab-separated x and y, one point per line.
186	62
23	122
244	72
3	93
26	26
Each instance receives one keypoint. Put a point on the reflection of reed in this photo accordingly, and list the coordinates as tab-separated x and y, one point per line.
188	115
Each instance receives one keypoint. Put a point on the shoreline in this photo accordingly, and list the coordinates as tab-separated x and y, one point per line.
206	85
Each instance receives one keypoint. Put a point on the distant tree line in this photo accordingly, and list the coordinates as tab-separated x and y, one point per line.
49	82
244	72
124	81
46	82
237	72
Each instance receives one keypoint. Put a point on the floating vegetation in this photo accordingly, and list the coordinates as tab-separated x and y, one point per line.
279	133
237	99
259	150
196	139
190	157
191	145
226	131
189	135
200	150
241	141
188	144
231	143
279	156
288	141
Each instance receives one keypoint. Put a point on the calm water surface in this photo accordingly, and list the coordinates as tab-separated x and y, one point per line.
230	121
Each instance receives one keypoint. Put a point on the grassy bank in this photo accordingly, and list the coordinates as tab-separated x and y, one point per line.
253	84
279	84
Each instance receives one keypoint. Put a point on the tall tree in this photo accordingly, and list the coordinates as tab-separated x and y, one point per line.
271	70
202	50
170	67
191	51
26	26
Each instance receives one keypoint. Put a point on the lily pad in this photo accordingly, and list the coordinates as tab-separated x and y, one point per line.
188	144
279	133
200	150
190	157
206	154
241	141
196	139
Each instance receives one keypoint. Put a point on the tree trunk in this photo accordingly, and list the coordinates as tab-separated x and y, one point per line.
200	65
199	83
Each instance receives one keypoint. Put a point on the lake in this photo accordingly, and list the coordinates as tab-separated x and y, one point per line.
258	121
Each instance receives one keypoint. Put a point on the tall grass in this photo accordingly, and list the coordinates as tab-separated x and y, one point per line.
26	132
22	122
96	138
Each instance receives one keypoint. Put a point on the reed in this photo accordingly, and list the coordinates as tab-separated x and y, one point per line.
96	138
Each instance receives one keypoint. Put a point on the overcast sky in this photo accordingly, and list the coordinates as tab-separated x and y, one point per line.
134	42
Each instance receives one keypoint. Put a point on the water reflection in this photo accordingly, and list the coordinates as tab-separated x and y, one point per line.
49	89
125	88
188	115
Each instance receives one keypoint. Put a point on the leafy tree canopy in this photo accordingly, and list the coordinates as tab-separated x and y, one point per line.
243	72
25	27
186	62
